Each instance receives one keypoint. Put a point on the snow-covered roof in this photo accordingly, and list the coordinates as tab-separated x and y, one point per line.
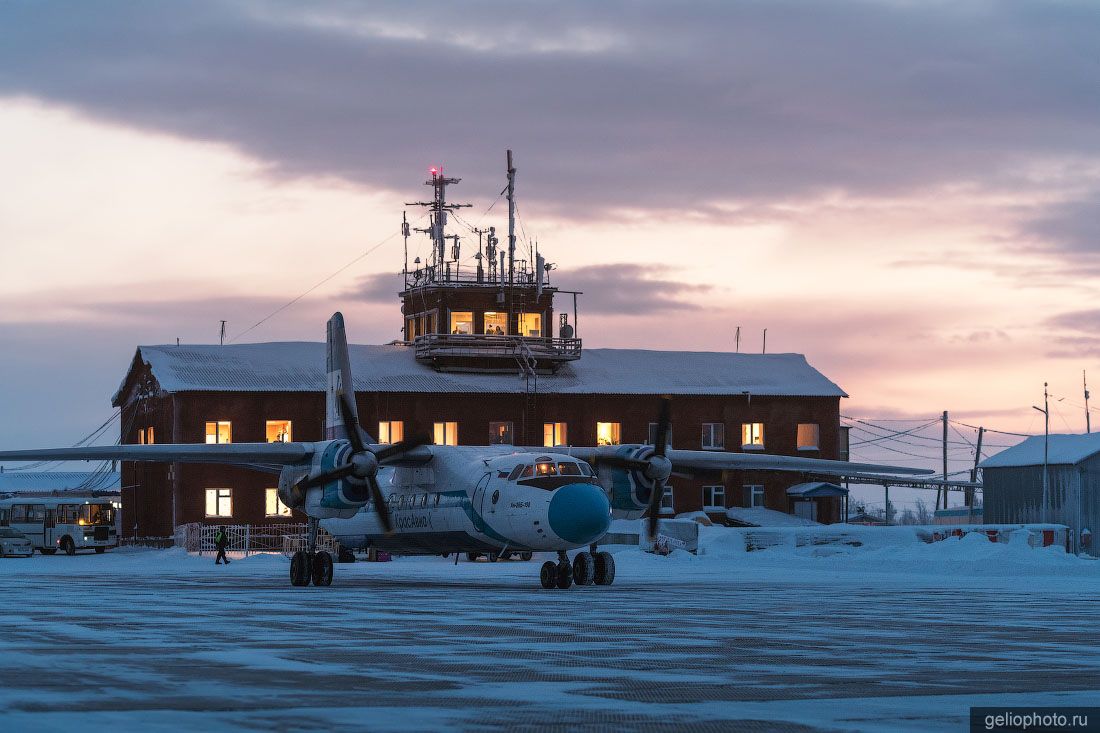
299	367
1064	450
816	488
39	481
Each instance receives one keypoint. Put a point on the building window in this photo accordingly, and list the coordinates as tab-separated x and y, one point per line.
530	324
149	438
496	324
554	433
274	506
808	436
752	435
391	431
219	432
754	496
714	436
278	431
500	433
714	497
667	502
446	433
653	435
219	502
608	433
843	444
462	322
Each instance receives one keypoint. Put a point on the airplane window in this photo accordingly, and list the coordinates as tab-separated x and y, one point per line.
586	469
546	469
423	501
515	472
528	471
437	499
569	469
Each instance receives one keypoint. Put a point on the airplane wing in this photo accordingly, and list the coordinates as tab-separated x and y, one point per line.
723	460
239	453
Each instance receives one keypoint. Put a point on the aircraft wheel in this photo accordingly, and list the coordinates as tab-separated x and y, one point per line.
68	545
322	569
100	550
299	568
549	575
584	568
473	556
345	555
605	568
505	556
493	556
565	574
526	556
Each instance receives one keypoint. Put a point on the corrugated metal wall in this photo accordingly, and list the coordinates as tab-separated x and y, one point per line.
1014	496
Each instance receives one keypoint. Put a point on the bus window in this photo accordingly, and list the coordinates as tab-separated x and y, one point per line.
97	514
68	513
19	513
36	513
4	517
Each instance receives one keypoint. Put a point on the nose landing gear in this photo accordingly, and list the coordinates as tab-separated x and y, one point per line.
587	568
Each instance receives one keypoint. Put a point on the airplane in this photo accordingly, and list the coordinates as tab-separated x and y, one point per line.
415	498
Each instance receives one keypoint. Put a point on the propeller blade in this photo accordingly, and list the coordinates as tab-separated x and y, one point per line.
351	425
401	447
631	464
654	510
380	507
310	482
663	422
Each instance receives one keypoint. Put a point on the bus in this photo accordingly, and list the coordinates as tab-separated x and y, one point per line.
66	523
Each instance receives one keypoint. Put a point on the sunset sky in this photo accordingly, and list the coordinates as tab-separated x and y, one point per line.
906	192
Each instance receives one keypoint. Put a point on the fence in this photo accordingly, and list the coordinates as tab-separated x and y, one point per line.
251	538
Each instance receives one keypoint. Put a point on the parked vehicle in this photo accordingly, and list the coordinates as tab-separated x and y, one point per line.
66	523
14	544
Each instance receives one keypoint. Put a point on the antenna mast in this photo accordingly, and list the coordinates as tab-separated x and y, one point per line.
1088	417
437	230
511	223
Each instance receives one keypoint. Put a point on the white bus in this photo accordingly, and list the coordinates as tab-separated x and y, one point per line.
66	523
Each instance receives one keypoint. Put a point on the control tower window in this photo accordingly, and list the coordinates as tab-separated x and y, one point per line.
496	324
608	433
462	322
530	324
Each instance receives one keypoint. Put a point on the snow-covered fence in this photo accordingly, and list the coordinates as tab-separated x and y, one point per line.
249	538
157	542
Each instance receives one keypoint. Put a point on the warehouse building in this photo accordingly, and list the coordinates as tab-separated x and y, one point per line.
1013	485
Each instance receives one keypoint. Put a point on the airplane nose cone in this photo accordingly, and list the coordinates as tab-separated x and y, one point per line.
579	513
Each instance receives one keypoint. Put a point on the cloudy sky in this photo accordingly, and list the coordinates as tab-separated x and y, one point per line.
906	192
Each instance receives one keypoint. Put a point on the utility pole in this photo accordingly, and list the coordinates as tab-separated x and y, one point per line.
221	338
764	347
1045	409
737	341
1088	418
974	471
511	224
944	465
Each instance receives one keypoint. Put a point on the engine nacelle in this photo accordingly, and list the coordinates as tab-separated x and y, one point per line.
628	490
338	498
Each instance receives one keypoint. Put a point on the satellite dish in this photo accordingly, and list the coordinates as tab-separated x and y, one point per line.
566	331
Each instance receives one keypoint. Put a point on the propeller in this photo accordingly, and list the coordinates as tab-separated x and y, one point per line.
364	462
658	467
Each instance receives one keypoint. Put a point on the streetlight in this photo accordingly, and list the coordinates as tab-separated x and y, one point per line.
1045	409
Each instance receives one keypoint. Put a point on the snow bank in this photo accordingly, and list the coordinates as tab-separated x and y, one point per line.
761	517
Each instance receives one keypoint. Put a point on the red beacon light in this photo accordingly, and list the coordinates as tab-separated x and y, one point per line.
433	170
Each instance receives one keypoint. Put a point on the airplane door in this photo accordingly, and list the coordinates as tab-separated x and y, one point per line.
479	503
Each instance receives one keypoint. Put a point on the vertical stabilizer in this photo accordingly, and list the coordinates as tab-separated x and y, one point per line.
338	367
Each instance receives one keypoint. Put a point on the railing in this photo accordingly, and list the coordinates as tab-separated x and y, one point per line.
466	344
251	538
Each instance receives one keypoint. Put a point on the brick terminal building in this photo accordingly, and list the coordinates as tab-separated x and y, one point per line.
479	363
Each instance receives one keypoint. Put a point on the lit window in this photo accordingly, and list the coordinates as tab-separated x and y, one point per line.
554	433
219	502
608	433
808	435
546	469
754	496
496	324
391	431
653	435
714	497
219	432
141	436
667	503
714	436
462	322
149	435
500	433
530	324
274	506
752	435
446	433
278	431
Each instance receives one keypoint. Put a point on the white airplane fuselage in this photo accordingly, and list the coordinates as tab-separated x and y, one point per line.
483	499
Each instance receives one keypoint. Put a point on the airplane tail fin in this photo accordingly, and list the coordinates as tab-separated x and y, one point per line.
338	367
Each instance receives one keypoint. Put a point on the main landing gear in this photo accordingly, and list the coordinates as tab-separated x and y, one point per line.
306	566
587	568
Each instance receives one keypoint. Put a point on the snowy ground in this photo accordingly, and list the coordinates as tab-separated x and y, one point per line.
888	638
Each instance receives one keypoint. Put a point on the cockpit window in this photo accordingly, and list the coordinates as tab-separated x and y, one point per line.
586	469
569	469
546	469
528	471
515	472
